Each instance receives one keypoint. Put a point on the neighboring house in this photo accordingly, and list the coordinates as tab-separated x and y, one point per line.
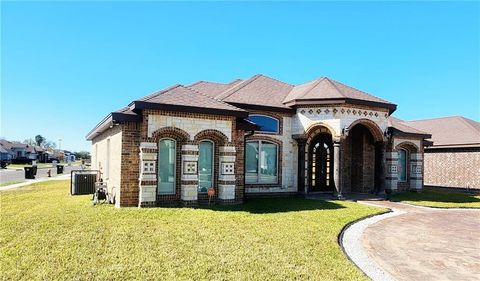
254	137
454	158
68	156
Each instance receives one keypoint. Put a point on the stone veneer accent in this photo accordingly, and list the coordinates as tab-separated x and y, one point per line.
148	174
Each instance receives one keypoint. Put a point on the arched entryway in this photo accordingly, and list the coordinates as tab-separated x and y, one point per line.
363	156
320	169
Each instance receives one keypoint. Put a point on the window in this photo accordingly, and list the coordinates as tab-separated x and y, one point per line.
166	166
267	124
402	165
205	166
261	162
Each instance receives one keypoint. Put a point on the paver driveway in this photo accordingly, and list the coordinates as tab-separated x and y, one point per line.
425	243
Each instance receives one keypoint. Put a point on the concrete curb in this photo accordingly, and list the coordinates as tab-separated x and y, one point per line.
29	182
350	242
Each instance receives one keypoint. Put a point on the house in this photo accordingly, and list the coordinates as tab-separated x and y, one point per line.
69	156
255	137
454	158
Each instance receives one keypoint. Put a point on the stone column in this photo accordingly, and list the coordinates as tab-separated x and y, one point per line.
416	171
336	169
189	179
148	175
226	175
301	141
380	167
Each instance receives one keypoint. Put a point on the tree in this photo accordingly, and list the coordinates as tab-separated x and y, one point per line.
40	140
82	155
29	142
49	144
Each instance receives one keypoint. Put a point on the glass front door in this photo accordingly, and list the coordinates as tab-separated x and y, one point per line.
321	164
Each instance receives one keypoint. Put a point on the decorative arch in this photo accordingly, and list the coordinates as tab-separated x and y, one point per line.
171	132
317	127
409	146
374	129
211	134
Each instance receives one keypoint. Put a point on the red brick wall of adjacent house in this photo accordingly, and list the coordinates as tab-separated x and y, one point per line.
454	167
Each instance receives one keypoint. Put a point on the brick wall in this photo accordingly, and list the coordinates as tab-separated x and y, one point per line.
453	167
130	166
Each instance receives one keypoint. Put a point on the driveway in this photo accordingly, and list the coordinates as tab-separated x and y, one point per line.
7	175
419	243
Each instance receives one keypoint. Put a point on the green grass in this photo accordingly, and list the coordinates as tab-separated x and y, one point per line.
48	234
439	198
10	183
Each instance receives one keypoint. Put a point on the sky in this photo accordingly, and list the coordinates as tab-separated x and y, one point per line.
66	65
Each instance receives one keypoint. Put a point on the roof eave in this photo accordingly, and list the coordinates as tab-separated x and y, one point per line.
247	106
109	120
398	132
390	106
140	105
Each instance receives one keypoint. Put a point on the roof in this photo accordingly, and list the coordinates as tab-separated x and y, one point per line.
3	150
326	89
12	144
181	96
259	90
450	131
401	126
213	89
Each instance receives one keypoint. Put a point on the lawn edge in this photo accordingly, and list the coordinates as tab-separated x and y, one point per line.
345	227
435	207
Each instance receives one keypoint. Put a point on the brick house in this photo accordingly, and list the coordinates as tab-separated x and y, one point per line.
454	158
255	137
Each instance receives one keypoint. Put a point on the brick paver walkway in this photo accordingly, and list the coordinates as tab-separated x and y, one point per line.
425	243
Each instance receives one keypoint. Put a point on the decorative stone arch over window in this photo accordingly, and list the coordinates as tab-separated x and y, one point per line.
279	145
170	132
219	141
181	138
413	167
216	136
374	129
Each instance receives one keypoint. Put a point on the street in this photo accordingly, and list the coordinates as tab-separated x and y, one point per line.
8	175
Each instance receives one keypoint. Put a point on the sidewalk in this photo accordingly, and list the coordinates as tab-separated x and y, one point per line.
28	182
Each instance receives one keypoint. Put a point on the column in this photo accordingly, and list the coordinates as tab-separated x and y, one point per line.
189	178
148	175
226	175
380	167
301	164
336	169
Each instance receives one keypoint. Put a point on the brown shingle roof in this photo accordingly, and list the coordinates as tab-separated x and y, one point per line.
325	88
258	90
179	95
449	131
403	127
213	89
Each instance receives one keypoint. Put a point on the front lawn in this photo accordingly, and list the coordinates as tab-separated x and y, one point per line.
439	198
47	234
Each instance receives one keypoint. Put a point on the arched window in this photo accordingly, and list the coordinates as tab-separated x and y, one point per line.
261	162
166	166
402	165
205	166
267	124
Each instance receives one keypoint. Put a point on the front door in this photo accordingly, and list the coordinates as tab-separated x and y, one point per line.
321	164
